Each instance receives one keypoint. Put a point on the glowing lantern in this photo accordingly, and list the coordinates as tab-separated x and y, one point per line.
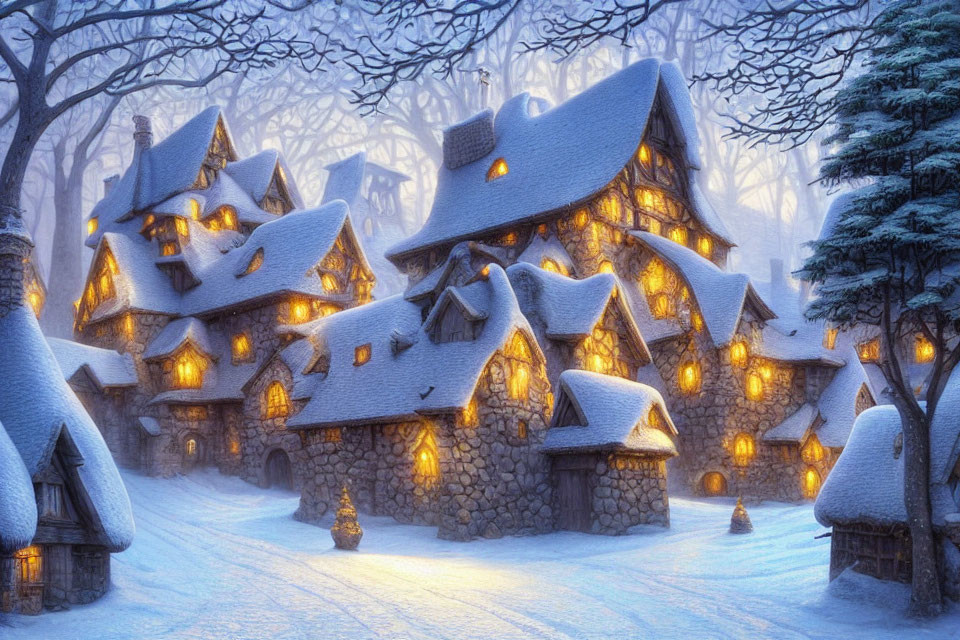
580	219
277	403
299	311
194	209
188	370
606	267
644	155
498	169
923	349
713	484
240	346
426	467
738	354
181	226
812	450
689	377
754	387
679	235
743	449
869	351
92	225
830	338
811	483
330	283
705	246
361	354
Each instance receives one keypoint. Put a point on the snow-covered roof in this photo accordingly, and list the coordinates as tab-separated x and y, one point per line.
549	248
151	426
720	295
615	414
794	427
837	403
108	368
18	507
559	157
423	378
175	334
345	181
226	191
37	406
570	308
468	252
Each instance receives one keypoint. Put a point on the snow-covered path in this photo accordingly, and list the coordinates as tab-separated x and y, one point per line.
217	558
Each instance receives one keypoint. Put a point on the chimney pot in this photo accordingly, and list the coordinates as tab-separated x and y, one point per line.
142	132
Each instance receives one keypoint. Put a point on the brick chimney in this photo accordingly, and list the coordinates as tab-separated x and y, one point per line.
142	132
468	141
108	184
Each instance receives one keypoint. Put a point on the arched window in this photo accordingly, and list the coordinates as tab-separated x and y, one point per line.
744	449
255	262
240	345
812	450
520	360
738	354
679	235
188	368
276	403
705	246
754	387
426	465
689	377
299	311
811	483
330	283
713	484
92	225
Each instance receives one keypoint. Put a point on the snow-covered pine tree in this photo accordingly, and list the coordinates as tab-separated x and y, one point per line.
893	257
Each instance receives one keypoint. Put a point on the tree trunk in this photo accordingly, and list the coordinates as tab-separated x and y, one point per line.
925	600
66	268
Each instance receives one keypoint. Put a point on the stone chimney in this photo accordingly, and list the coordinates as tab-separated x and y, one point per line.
468	141
108	184
142	132
15	247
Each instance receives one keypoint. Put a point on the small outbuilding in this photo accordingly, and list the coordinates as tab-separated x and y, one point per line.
609	441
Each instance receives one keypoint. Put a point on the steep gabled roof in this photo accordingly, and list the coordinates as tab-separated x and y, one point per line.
424	378
794	427
107	367
18	506
139	284
837	403
549	248
37	407
345	181
720	295
559	157
255	173
617	413
175	335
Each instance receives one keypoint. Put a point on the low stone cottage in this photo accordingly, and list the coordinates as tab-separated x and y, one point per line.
862	500
63	506
608	443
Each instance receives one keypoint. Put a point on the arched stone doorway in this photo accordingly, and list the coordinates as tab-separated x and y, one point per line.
194	452
277	471
713	484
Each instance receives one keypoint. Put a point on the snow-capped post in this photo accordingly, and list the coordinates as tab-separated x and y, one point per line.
346	531
740	520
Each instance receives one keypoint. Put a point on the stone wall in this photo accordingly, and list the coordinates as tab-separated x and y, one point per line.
72	574
492	479
629	490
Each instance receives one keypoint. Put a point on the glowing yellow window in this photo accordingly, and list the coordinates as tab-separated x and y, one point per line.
29	565
333	434
194	209
654	419
923	349
277	403
654	277
498	169
580	218
92	225
596	363
168	249
426	466
713	484
738	354
299	311
519	382
766	372
228	219
662	307
548	264
679	235
644	155
606	267
190	446
743	449
240	346
104	286
611	209
255	262
182	228
128	326
148	222
508	239
754	387
188	370
647	199
361	354
705	246
653	225
234	446
689	377
869	351
330	283
812	450
830	337
811	483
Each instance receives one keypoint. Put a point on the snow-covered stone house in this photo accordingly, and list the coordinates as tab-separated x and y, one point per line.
609	183
200	259
63	506
862	500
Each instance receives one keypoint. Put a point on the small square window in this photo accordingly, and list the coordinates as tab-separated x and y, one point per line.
361	355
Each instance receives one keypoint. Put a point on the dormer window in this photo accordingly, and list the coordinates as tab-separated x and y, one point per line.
705	246
551	265
498	169
52	503
361	355
92	225
330	283
188	368
276	402
255	262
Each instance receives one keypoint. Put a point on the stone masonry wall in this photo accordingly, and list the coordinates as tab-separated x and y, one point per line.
629	490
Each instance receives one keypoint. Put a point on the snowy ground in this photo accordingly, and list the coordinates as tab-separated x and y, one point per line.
217	558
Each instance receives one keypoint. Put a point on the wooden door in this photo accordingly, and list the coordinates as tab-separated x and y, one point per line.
573	498
277	472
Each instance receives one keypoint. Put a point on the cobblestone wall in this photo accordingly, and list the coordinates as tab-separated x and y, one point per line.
629	490
259	436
